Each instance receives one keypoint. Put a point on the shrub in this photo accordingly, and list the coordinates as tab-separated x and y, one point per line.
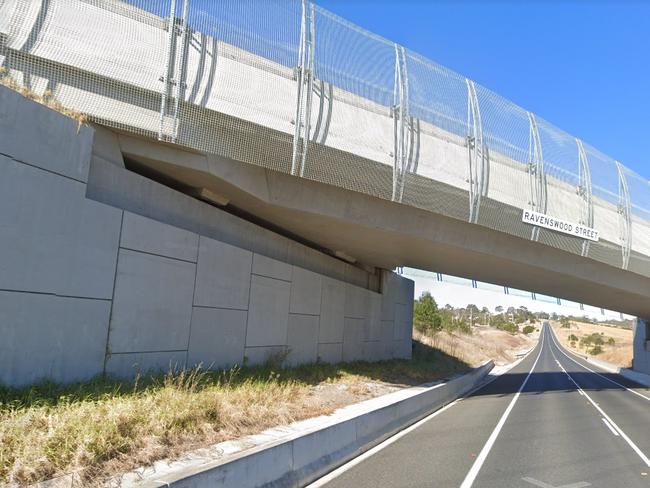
508	327
592	340
426	316
528	329
596	350
611	341
573	338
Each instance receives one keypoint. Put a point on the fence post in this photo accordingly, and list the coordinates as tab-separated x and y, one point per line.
585	192
477	152
305	78
166	76
536	173
624	215
401	131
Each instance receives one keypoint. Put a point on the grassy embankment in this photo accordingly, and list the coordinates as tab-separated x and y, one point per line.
106	427
611	344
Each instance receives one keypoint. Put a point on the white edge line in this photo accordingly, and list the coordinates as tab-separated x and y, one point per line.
382	445
561	349
478	463
350	464
636	449
609	426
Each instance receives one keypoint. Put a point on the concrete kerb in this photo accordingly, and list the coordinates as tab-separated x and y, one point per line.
302	452
630	374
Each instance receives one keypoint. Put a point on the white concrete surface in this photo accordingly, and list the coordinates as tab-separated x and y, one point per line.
152	304
218	337
87	287
230	287
51	337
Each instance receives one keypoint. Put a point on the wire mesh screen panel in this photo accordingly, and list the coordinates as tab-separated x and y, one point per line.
238	79
437	105
606	207
568	194
349	126
639	194
289	86
104	59
508	164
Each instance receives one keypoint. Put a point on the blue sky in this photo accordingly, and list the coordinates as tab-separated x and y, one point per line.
582	65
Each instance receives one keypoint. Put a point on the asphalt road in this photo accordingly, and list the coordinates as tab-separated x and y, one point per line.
553	420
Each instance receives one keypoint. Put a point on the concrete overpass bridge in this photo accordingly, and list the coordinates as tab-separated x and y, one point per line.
289	117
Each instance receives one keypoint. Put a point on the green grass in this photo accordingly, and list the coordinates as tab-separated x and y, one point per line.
104	427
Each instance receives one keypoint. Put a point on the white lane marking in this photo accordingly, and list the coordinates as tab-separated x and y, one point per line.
350	464
561	349
541	484
478	463
342	469
636	449
610	427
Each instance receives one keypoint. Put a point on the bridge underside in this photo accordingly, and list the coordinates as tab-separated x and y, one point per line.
384	234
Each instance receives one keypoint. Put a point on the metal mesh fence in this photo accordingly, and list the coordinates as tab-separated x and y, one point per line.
289	86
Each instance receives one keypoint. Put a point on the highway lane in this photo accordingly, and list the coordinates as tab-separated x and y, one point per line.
552	421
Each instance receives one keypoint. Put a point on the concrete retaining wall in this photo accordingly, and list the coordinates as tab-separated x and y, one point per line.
103	270
641	362
304	451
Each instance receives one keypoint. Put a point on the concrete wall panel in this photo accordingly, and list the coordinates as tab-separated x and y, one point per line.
217	337
305	292
332	311
271	268
330	353
268	313
302	338
42	137
357	301
261	354
52	239
223	275
128	365
402	322
152	306
353	339
44	336
147	235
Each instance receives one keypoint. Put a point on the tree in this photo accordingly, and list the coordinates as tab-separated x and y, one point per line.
426	314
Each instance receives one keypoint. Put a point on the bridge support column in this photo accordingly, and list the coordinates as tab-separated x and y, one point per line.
641	353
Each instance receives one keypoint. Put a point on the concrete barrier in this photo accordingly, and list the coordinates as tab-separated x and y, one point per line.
304	451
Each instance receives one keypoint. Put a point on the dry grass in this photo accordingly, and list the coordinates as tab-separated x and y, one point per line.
107	427
46	99
482	345
619	354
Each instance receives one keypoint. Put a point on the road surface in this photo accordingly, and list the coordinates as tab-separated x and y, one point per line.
553	421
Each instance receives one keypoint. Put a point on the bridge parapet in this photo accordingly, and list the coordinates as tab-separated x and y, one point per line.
289	86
